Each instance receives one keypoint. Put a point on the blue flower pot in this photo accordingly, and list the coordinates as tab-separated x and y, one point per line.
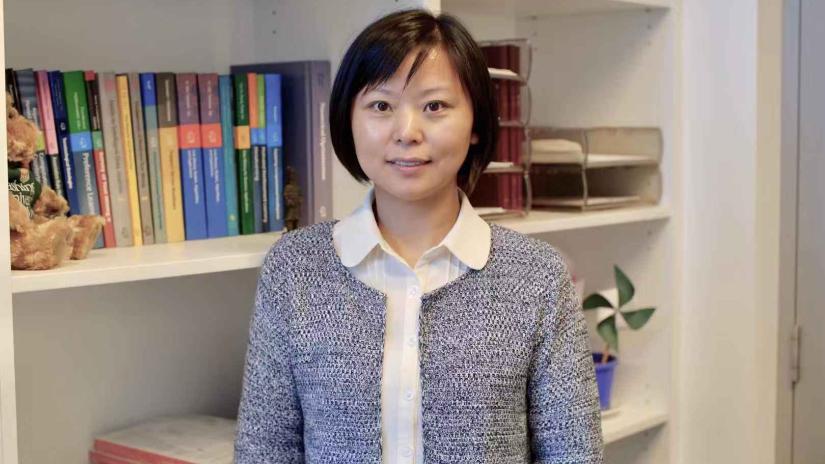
604	378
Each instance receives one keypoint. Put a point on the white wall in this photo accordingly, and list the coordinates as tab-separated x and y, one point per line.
719	391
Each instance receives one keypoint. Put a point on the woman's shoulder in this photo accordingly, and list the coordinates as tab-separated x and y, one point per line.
513	248
302	245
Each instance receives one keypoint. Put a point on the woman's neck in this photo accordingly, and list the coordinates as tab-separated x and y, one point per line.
411	228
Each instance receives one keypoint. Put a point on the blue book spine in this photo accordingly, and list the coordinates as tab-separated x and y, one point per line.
274	152
83	167
61	125
215	197
230	176
194	207
210	115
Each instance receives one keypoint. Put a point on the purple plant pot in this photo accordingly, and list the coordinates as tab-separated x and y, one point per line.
604	378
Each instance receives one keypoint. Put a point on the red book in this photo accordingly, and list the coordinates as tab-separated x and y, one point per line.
96	457
190	439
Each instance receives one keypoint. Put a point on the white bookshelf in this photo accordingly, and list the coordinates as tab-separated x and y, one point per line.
630	422
134	332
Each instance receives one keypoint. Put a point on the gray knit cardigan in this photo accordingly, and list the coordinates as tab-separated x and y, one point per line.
506	371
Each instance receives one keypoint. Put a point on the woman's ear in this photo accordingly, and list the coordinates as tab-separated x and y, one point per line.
473	139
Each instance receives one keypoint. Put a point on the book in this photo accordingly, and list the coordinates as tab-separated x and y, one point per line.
124	109
27	87
184	439
61	124
191	157
263	195
11	87
243	156
256	135
97	457
99	155
150	124
228	139
169	157
141	161
44	102
80	144
274	153
115	160
213	167
305	87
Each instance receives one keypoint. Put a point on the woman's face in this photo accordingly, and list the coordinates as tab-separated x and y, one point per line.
411	141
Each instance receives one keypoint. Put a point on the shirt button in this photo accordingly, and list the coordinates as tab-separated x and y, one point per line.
407	451
411	341
409	395
414	290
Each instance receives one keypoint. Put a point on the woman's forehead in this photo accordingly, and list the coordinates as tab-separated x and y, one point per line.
435	72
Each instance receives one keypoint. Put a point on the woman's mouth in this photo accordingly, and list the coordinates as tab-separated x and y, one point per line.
409	166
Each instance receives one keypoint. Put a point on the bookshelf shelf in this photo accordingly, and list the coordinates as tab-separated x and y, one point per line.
131	264
529	8
631	421
539	222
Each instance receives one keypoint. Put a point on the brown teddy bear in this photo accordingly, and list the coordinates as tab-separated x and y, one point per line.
41	235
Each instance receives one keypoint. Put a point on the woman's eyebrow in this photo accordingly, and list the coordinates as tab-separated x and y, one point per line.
438	88
424	92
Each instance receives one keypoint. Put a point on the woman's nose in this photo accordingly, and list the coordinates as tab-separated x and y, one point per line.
407	128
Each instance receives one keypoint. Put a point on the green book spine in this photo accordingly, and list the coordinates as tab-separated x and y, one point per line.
75	91
244	155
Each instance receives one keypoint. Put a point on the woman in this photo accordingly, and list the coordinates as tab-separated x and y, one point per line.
411	330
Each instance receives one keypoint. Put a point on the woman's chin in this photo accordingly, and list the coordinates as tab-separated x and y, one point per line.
410	191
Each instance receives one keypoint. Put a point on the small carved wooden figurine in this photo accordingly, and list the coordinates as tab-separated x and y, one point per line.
293	200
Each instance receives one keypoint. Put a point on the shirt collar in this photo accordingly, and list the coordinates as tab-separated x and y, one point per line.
356	235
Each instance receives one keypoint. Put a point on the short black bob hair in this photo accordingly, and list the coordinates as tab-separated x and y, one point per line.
375	55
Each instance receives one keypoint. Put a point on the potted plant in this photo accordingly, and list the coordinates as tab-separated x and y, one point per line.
635	319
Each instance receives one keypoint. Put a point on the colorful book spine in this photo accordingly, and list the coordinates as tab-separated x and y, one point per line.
115	160
212	143
80	144
125	111
61	125
230	171
244	154
141	163
99	155
274	153
191	157
150	124
44	102
169	157
27	86
256	133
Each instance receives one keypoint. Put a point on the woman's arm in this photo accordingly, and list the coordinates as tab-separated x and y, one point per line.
564	415
270	422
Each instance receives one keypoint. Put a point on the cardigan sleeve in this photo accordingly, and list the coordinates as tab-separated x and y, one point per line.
270	421
564	414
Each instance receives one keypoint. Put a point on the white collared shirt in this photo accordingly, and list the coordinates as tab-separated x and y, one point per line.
362	248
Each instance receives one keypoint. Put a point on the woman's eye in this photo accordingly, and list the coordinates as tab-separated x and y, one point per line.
435	105
380	106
